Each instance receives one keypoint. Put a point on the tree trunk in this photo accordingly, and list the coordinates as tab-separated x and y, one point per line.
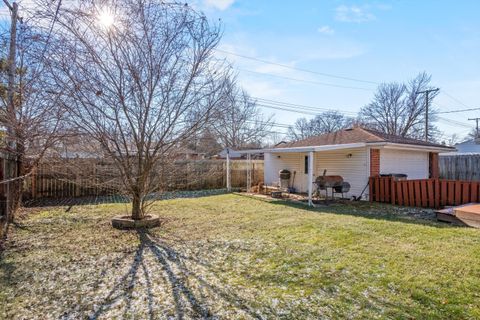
137	210
16	187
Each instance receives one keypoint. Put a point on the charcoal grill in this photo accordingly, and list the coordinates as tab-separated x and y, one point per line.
343	188
284	179
334	182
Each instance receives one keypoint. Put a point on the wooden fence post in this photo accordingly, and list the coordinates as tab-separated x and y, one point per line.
33	185
393	190
370	189
77	185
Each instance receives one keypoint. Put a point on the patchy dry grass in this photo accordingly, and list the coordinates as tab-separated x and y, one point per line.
230	256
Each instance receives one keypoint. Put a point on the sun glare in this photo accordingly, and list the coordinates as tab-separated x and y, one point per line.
105	18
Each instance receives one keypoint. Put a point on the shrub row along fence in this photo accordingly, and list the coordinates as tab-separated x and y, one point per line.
82	177
427	193
460	167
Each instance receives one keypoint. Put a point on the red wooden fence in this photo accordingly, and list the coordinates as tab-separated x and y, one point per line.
427	193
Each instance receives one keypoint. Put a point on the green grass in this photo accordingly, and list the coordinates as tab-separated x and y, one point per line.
231	256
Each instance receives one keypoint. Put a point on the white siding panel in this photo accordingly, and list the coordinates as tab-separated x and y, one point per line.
412	163
351	164
274	162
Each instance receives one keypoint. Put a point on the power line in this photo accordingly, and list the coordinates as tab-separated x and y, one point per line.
454	99
273	124
454	123
457	111
295	106
310	110
295	68
311	113
306	81
302	106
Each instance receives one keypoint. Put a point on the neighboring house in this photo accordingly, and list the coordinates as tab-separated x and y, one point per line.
237	154
232	153
469	146
72	146
355	154
184	153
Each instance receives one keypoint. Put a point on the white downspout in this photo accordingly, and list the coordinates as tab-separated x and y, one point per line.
310	178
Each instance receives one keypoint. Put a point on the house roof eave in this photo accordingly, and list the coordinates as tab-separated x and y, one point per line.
386	145
316	148
413	147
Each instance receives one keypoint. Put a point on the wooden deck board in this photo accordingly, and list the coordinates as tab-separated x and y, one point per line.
469	214
465	215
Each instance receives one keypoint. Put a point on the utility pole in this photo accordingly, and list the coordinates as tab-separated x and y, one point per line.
476	120
11	116
427	92
12	52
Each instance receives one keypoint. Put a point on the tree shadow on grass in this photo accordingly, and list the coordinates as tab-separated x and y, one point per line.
374	211
70	202
170	265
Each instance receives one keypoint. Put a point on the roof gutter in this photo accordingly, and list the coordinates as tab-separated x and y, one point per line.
412	147
307	149
386	145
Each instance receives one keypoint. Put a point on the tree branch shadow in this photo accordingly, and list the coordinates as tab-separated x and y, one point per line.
189	301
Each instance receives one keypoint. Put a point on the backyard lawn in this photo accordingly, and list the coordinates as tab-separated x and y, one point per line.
230	256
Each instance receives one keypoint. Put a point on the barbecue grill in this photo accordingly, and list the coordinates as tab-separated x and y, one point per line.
334	182
284	179
343	188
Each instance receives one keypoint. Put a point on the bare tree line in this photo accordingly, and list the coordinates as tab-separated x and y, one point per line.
325	122
396	108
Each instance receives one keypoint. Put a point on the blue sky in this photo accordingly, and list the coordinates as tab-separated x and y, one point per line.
376	41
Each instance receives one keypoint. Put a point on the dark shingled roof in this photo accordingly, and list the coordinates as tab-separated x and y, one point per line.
357	135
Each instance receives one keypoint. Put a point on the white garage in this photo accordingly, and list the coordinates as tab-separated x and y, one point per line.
355	155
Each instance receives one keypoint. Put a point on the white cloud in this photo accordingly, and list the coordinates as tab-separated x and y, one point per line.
326	30
353	14
219	4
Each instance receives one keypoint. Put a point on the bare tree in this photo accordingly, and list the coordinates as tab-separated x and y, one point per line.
451	140
138	77
325	122
473	134
242	124
399	109
34	122
206	142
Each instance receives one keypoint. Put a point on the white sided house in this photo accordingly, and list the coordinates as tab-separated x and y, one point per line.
470	146
355	154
